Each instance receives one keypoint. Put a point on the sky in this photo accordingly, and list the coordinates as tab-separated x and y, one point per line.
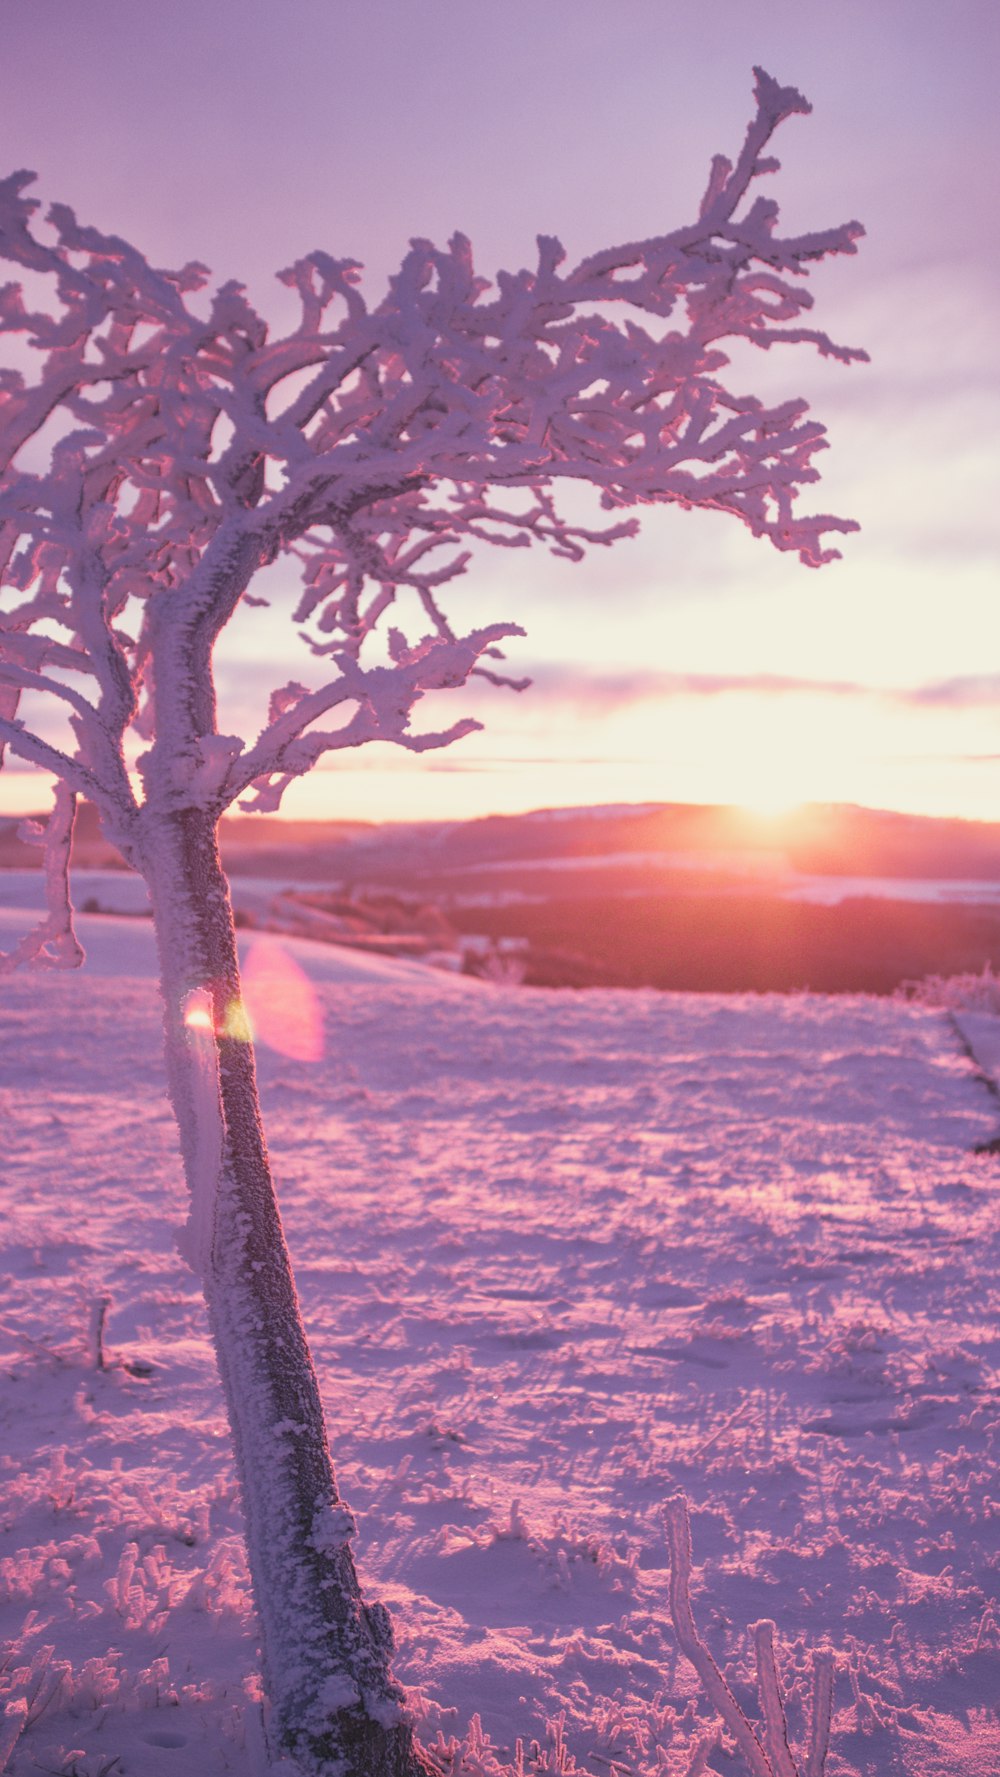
692	664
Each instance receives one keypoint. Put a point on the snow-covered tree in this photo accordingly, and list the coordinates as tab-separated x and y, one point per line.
157	450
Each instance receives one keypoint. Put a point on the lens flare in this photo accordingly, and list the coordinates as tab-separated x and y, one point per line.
198	1012
236	1023
200	1018
281	1002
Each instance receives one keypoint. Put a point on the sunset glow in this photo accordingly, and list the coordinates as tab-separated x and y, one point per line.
461	1270
888	660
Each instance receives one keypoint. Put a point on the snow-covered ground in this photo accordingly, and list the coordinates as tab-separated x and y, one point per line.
561	1255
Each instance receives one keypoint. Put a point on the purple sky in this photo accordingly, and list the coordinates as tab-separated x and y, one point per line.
693	664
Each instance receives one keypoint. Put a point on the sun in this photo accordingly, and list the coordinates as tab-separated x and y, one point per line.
772	799
771	778
764	753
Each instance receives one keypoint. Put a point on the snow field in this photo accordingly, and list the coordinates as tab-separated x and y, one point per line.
560	1255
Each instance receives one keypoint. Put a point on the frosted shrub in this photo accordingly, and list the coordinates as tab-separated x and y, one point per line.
955	993
26	1692
476	1755
767	1752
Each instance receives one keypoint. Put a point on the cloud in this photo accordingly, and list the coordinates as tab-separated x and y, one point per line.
602	694
521	761
970	691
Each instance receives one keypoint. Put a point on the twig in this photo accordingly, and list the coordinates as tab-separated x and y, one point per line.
769	1690
691	1644
699	1757
95	1341
35	1687
737	1413
822	1704
774	1757
12	1725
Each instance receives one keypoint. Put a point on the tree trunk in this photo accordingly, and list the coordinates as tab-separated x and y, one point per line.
336	1707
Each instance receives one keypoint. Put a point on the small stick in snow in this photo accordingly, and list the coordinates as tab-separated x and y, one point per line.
737	1413
95	1340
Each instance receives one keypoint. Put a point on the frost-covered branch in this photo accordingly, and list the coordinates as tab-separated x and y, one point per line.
772	1756
16	738
376	445
822	1711
384	697
690	1642
53	943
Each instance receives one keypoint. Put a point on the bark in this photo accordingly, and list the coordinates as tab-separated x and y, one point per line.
335	1705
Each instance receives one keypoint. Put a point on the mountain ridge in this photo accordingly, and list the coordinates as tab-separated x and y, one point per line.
830	839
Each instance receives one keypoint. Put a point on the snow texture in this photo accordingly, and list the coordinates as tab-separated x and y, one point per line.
561	1256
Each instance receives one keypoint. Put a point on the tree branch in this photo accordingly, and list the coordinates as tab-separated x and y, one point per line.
386	698
53	944
368	443
36	751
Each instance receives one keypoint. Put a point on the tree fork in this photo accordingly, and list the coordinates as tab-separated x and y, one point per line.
325	1651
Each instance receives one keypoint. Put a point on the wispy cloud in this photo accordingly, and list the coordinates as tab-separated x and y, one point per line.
599	693
602	694
970	691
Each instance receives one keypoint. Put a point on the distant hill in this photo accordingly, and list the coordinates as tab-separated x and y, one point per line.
666	895
91	850
819	839
253	846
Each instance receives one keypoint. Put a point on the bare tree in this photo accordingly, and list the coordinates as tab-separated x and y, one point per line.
155	458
